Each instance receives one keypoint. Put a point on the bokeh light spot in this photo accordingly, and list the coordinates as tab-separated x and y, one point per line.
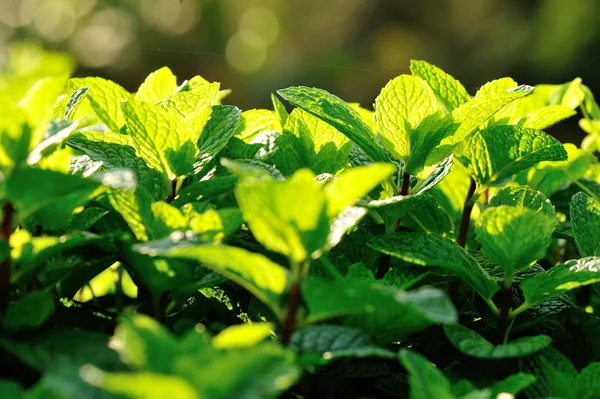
246	53
262	22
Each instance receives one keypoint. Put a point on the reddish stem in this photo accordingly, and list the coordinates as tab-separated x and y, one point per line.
5	233
290	319
466	216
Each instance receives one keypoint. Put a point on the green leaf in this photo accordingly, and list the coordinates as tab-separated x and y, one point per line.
157	86
105	98
393	208
436	139
256	121
141	385
263	278
588	382
507	238
184	104
10	389
324	343
221	127
337	113
546	116
498	152
74	102
214	226
400	107
30	311
432	250
15	133
116	152
280	110
523	197
289	217
143	343
242	335
559	279
261	371
353	184
425	380
513	384
473	344
40	101
385	313
51	196
548	177
206	190
449	90
135	208
62	349
585	218
159	138
309	142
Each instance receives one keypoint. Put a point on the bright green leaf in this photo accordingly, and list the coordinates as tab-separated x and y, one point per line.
507	238
426	381
337	113
523	197
157	86
449	90
498	152
585	218
436	251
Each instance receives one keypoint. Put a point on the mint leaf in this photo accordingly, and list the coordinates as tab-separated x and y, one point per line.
280	110
116	152
15	137
105	98
263	278
432	250
353	184
436	138
288	217
546	116
321	344
385	313
523	197
30	311
74	101
548	177
206	190
425	380
393	208
400	107
159	138
256	121
473	344
135	208
449	90
50	196
184	104
222	125
559	279
337	113
242	335
309	142
157	86
585	218
513	384
498	152
506	236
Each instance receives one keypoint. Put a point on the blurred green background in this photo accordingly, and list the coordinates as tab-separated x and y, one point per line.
349	47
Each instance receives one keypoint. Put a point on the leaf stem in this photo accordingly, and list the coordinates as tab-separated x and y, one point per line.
505	305
384	260
173	192
6	230
289	324
466	215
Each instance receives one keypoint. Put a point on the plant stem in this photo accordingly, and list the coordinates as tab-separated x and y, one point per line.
5	233
173	193
505	305
466	216
289	324
384	260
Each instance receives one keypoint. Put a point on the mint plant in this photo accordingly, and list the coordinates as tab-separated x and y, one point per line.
164	244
